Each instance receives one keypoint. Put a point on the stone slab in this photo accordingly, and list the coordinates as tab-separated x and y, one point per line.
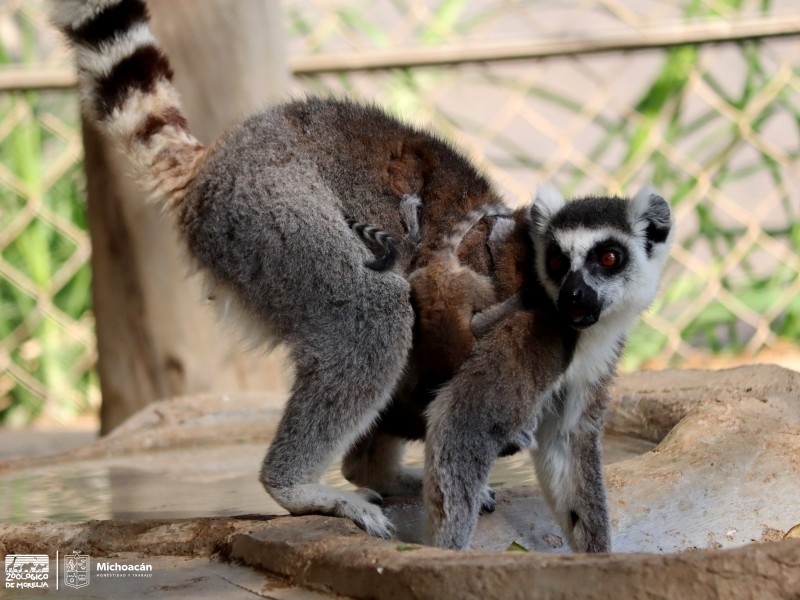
187	558
333	555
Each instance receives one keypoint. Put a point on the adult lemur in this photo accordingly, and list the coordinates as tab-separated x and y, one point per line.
264	213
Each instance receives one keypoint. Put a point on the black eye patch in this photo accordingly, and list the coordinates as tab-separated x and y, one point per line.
556	262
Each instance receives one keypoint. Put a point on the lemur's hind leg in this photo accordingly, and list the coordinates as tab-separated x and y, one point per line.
347	366
375	462
569	469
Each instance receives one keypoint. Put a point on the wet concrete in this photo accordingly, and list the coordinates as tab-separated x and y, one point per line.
189	458
219	480
705	462
36	442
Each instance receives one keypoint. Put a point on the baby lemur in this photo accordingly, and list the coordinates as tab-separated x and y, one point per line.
265	214
447	295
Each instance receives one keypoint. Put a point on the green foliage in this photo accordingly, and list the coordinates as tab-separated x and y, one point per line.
717	326
41	291
516	547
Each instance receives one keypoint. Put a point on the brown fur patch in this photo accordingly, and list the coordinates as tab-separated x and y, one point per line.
445	297
406	169
447	294
156	122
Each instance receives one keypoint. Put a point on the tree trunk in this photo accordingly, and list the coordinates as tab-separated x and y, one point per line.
155	336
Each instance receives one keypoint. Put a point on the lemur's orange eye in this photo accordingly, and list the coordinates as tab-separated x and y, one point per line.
609	259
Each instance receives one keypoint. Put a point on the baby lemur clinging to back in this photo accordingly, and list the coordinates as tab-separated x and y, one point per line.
264	213
446	296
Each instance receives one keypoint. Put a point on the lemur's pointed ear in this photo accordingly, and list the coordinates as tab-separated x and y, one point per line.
650	218
548	201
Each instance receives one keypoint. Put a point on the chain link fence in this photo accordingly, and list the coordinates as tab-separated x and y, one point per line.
700	97
47	346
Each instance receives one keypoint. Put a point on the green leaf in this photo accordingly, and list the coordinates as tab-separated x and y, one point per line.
516	547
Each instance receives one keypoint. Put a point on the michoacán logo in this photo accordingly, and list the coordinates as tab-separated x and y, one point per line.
76	570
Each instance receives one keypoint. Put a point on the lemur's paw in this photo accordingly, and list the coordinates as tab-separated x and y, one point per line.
370	496
374	522
487	498
365	514
317	499
589	537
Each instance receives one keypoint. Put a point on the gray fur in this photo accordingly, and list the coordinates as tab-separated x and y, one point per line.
487	319
375	461
303	273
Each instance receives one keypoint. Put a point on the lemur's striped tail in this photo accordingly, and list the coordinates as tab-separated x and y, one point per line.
126	86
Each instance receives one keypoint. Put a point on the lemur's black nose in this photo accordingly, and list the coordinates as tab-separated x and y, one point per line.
578	302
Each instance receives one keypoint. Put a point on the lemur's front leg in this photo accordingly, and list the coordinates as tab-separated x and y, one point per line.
494	396
569	469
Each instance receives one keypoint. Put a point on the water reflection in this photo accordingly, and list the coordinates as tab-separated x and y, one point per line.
216	481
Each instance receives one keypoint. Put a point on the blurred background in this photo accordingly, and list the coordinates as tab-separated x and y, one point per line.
700	97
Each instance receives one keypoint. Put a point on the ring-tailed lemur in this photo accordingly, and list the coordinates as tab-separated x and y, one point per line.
378	239
598	263
263	214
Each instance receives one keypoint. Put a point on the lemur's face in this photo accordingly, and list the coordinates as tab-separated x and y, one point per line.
597	257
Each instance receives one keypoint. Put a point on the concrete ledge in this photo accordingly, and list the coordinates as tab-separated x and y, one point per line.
182	422
333	556
145	537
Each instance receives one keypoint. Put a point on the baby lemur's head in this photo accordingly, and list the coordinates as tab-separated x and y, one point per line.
598	257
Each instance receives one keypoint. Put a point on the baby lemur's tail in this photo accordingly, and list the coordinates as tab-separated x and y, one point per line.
379	240
465	225
126	87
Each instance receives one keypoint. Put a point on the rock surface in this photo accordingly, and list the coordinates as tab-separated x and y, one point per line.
699	507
